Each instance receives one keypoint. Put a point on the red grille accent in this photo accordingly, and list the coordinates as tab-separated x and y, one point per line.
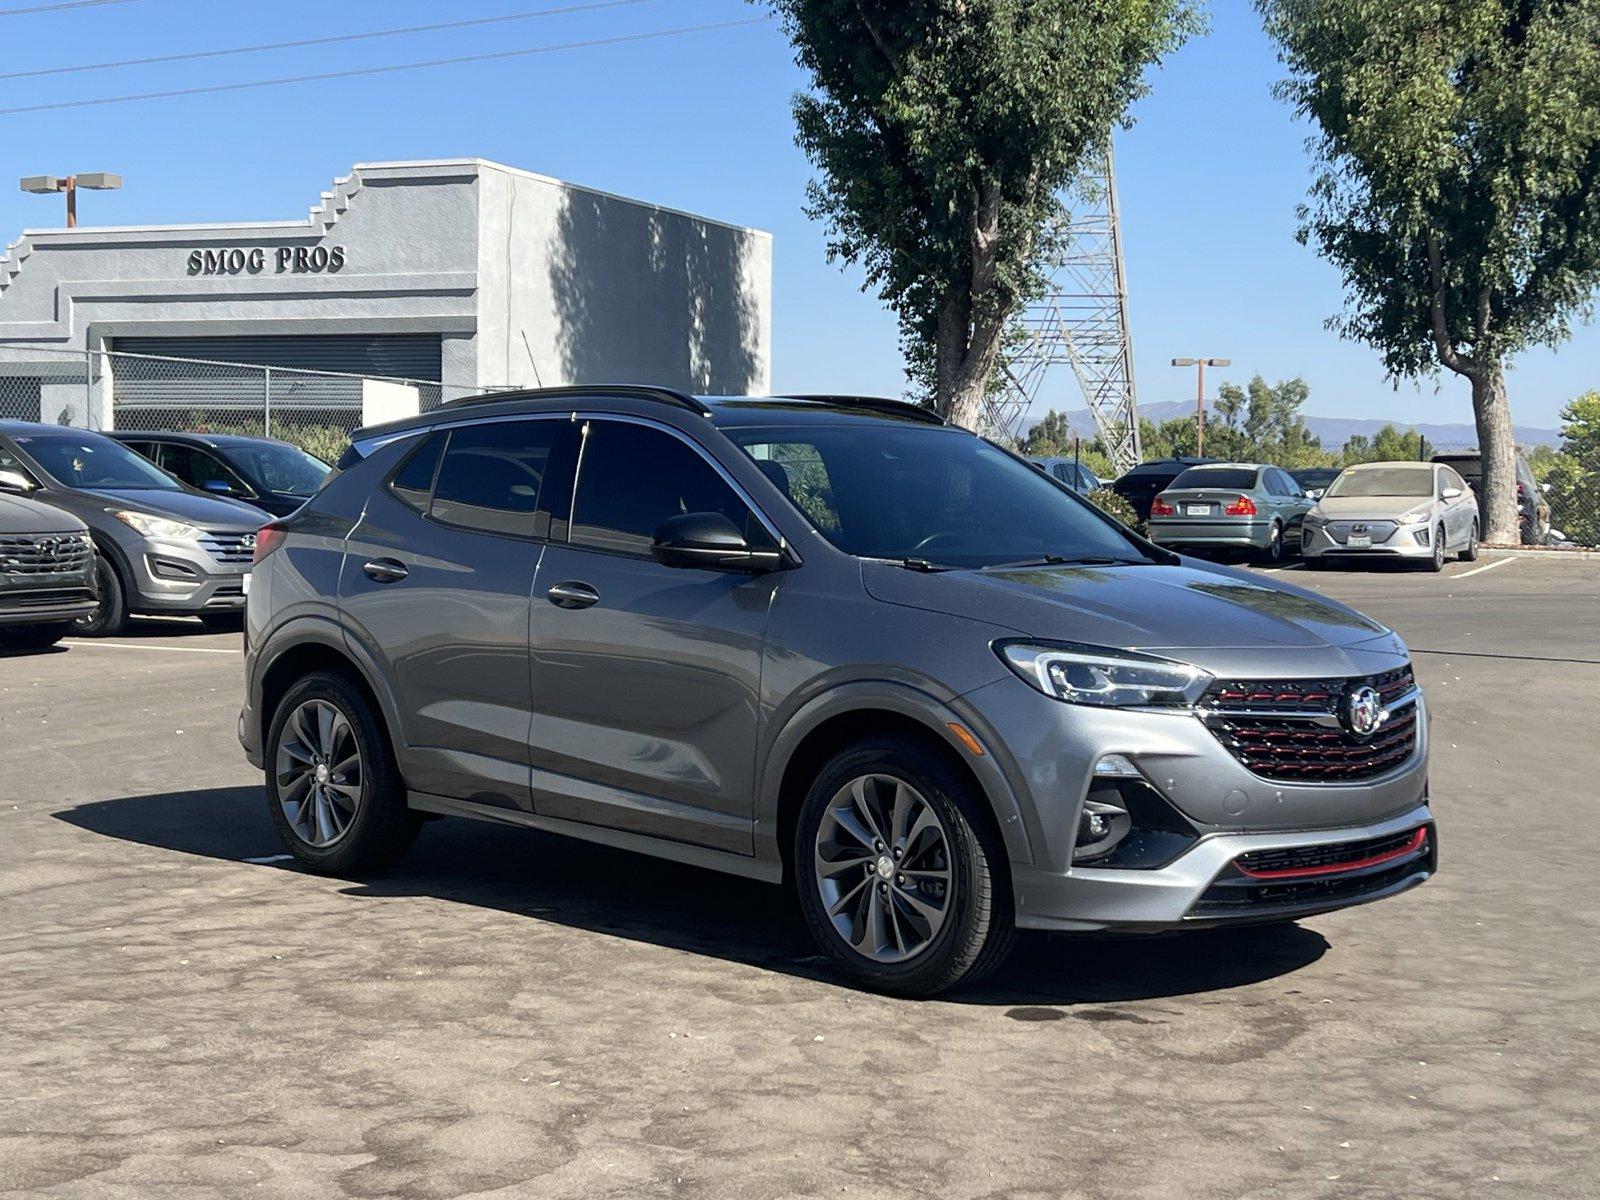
1311	861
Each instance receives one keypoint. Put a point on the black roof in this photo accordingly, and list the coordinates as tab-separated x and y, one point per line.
217	440
23	428
723	411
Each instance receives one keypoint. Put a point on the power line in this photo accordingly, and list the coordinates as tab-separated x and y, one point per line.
388	70
192	56
58	7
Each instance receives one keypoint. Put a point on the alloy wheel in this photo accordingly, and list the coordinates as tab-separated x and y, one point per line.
321	778
882	866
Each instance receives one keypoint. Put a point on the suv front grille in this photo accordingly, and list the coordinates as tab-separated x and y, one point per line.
236	548
1298	731
1378	531
44	554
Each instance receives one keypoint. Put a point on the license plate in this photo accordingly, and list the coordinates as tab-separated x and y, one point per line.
1361	541
244	583
1197	510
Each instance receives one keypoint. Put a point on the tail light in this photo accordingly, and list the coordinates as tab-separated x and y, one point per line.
1242	507
1160	508
268	539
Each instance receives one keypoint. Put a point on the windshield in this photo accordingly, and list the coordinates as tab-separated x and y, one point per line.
932	494
1232	478
1315	476
1383	481
86	460
279	468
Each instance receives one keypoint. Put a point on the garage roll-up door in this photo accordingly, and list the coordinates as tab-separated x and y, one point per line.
403	356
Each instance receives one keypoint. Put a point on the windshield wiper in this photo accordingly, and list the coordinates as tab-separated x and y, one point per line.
919	564
1062	560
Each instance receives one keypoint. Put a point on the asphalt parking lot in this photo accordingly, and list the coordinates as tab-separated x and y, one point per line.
184	1014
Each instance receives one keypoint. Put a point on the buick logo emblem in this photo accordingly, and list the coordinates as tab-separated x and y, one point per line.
1364	711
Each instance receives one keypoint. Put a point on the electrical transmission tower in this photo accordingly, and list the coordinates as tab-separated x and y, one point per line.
1081	321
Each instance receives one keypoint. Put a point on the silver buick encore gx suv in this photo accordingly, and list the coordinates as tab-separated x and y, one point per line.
829	640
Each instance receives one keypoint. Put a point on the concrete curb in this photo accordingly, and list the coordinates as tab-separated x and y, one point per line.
1545	554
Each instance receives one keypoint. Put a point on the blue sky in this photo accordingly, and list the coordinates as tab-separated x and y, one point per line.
1209	176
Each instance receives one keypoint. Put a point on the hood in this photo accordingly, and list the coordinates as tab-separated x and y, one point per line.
209	512
1220	619
18	515
1370	508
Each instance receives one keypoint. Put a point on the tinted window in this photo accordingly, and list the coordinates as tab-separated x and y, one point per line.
1284	485
941	495
413	483
197	468
491	475
279	467
1235	478
632	478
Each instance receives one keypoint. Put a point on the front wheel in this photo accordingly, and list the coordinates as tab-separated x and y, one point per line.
1436	559
900	871
33	637
111	613
1470	554
333	789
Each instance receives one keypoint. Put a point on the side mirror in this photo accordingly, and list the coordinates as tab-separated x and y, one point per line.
219	487
1451	493
15	481
711	542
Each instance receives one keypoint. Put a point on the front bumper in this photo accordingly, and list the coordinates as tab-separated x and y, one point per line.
1181	895
1255	533
1402	543
185	577
46	606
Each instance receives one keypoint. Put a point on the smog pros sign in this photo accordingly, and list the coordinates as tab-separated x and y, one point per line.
256	260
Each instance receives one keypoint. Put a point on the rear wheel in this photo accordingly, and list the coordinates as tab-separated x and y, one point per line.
111	614
333	789
900	871
1273	554
33	637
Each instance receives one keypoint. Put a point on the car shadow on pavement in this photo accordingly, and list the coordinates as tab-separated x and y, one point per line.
596	888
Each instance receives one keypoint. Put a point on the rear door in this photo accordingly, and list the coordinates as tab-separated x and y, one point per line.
646	678
436	584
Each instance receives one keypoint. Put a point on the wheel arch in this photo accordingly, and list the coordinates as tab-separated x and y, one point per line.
827	724
315	645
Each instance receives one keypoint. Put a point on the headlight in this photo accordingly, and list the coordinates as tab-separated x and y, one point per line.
160	527
1414	518
1105	678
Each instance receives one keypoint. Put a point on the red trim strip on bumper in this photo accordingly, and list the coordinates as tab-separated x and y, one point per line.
1418	840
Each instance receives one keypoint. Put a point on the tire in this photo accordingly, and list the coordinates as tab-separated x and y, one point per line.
111	615
1470	554
976	926
1436	559
1273	554
231	621
33	637
375	828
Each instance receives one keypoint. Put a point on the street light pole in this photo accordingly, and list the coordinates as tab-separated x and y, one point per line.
1200	365
99	181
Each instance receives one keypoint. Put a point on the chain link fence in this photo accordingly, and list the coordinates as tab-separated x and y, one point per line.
315	410
1558	501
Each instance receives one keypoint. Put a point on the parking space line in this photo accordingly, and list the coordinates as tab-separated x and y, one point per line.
1499	562
96	643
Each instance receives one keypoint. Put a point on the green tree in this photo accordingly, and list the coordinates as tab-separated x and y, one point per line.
1459	183
1051	434
1573	474
944	132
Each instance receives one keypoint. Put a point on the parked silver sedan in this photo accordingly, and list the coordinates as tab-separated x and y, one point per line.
1412	510
1245	506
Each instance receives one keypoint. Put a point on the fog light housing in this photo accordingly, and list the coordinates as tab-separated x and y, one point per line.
1127	824
1423	536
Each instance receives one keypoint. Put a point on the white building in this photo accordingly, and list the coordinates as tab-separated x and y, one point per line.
466	272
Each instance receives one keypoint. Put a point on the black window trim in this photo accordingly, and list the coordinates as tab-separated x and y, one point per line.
583	417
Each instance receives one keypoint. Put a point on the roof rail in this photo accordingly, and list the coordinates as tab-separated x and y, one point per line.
630	391
903	408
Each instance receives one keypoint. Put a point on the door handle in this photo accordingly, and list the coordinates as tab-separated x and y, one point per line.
386	570
572	595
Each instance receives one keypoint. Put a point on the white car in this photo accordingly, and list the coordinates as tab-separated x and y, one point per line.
1413	510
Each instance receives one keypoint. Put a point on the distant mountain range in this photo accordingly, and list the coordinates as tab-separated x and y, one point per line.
1336	431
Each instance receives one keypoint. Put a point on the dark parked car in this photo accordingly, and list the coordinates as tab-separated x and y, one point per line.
1314	481
1533	513
46	572
1140	486
162	548
834	640
272	475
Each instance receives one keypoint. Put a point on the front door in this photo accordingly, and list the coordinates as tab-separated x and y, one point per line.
646	678
436	584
